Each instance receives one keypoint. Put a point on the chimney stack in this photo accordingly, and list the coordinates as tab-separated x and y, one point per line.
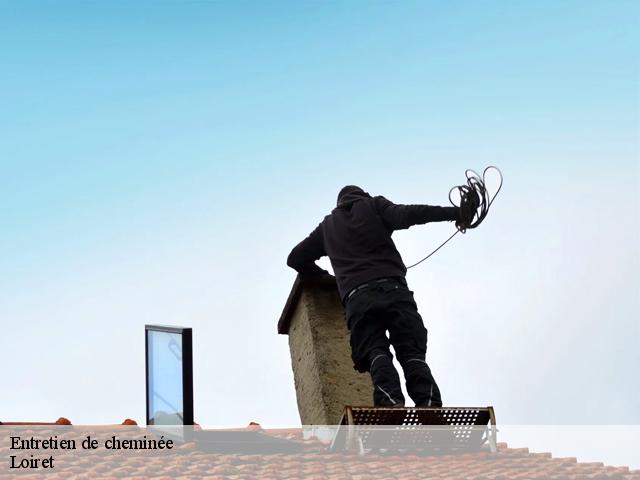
323	372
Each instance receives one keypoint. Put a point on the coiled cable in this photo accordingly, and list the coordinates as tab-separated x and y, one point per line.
474	192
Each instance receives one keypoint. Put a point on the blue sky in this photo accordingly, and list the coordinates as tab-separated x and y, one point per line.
159	160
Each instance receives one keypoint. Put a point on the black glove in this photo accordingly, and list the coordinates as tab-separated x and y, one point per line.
315	271
469	203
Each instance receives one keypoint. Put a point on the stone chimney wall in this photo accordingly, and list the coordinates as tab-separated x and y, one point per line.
324	377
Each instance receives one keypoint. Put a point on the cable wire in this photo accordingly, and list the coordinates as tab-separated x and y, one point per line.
475	184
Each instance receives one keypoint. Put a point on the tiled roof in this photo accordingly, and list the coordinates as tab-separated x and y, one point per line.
315	462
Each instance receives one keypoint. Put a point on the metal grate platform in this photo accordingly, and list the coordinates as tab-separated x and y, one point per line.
426	429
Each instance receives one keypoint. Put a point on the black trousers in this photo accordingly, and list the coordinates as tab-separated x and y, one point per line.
373	311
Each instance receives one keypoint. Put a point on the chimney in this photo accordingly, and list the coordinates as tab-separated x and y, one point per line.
323	372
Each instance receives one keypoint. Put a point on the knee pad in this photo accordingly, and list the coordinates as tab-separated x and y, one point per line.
379	358
413	366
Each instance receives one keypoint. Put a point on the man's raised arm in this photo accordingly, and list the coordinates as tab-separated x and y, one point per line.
398	217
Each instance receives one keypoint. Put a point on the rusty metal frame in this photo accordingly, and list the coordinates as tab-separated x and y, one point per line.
349	436
492	431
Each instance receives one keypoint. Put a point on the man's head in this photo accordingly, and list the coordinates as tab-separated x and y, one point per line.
350	193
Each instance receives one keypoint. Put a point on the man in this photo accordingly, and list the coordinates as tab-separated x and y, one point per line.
370	276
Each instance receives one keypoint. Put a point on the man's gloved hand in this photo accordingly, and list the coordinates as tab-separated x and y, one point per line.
314	270
469	203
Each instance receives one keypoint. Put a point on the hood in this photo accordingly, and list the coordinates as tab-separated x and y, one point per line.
349	195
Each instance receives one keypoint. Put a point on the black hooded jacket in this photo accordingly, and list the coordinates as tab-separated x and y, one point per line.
356	237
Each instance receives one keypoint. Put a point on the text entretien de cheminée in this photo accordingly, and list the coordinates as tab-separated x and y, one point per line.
88	443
